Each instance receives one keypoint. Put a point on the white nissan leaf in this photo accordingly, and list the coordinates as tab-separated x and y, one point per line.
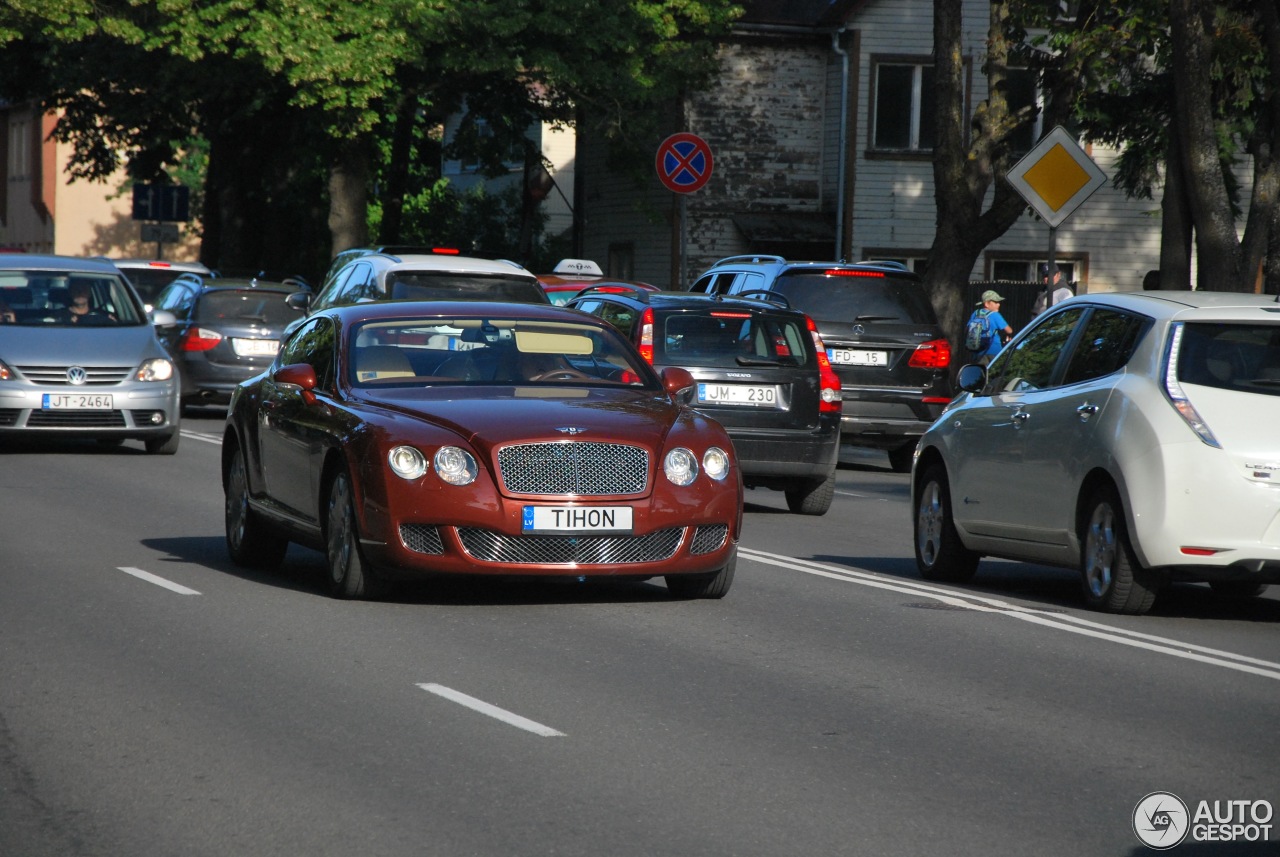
1134	436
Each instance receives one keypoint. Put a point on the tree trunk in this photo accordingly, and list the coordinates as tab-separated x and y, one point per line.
1217	246
398	170
963	174
1175	222
349	197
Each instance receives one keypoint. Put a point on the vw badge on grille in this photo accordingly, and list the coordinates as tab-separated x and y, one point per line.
76	375
570	429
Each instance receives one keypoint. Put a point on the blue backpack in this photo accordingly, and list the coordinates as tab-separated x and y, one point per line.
977	333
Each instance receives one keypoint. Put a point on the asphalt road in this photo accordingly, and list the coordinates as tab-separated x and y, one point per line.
156	700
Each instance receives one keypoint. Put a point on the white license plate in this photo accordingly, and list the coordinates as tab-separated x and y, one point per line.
255	347
857	357
751	395
77	402
576	519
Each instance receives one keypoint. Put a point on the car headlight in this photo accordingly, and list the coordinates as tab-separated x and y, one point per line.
6	374
716	463
407	462
455	466
681	466
156	369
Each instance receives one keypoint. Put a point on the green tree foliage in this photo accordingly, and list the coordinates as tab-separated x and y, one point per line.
323	82
1185	89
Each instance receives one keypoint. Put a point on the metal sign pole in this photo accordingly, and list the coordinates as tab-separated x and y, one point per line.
1053	250
684	242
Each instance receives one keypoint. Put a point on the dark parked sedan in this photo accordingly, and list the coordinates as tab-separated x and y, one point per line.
227	330
762	372
410	439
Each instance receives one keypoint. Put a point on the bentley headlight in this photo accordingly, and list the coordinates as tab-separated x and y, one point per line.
455	466
716	463
681	466
407	462
156	369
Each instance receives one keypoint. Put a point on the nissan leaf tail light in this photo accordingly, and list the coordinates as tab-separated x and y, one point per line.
199	339
830	397
646	335
1174	391
934	354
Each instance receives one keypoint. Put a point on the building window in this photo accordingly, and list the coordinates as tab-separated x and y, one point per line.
1028	270
912	260
903	105
1023	91
19	150
622	261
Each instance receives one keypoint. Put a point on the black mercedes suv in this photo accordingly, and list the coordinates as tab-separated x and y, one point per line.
882	338
761	372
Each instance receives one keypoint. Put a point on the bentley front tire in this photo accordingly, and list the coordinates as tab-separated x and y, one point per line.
348	573
713	585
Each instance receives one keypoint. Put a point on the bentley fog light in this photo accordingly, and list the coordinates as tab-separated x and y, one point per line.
157	369
407	462
681	466
716	463
455	466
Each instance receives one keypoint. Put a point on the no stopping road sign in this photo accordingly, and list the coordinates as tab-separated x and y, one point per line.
684	162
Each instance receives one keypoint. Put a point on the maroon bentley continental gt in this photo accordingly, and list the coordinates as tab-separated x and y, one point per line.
413	439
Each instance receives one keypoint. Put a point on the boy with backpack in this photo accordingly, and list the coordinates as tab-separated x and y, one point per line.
986	331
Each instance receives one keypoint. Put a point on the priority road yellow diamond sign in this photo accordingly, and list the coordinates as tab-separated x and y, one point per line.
1056	176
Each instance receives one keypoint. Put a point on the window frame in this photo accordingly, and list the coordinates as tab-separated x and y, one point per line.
918	62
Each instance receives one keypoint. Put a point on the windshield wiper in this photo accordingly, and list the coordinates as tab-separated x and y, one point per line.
876	318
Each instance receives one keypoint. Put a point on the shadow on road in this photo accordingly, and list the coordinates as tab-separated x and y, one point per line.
1060	588
304	570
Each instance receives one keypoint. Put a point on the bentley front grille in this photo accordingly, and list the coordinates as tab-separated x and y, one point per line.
571	467
490	546
421	538
709	538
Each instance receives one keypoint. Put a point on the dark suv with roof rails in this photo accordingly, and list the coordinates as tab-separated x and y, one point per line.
761	372
881	334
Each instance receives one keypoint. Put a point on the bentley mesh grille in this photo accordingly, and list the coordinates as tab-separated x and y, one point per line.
95	376
490	546
709	538
574	467
421	538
